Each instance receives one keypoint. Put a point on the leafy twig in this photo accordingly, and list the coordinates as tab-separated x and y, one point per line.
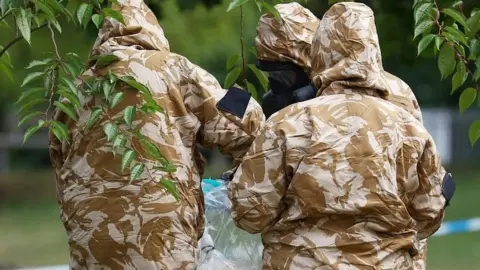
52	36
241	46
458	55
52	92
18	38
5	15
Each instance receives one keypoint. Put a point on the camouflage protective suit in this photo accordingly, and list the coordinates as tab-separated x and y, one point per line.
115	225
291	41
348	180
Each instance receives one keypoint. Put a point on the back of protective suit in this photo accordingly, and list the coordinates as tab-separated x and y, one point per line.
114	224
348	179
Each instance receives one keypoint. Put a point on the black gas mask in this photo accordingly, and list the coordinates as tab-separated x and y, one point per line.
288	84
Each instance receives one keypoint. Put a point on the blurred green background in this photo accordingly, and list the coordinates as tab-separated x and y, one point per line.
31	233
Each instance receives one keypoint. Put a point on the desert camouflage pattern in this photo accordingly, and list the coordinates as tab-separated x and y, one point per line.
347	180
289	40
112	224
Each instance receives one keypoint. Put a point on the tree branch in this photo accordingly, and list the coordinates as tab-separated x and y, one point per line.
18	38
52	36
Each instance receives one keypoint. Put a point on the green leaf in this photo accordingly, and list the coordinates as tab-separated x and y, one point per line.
476	76
127	158
112	78
110	130
56	24
109	12
171	187
135	84
446	60
459	77
97	19
106	60
119	141
253	90
28	117
458	3
68	109
423	27
438	42
170	168
232	76
261	77
137	171
460	49
31	94
47	81
473	25
107	89
457	16
4	5
71	97
116	99
40	4
7	71
71	86
31	77
151	149
232	61
23	24
259	4
84	13
272	10
73	69
60	130
474	132
455	35
474	49
236	3
39	63
422	11
129	115
424	42
94	117
54	5
253	50
466	99
30	131
29	105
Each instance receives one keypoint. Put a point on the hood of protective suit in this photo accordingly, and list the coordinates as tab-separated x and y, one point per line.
141	30
289	40
346	52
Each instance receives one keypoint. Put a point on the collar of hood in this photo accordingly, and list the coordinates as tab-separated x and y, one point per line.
288	40
346	53
141	30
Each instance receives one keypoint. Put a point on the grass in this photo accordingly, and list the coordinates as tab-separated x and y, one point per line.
31	233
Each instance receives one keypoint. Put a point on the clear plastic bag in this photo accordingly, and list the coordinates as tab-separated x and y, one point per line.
232	248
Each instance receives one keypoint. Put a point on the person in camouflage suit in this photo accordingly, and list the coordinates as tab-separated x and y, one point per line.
112	224
291	41
349	179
